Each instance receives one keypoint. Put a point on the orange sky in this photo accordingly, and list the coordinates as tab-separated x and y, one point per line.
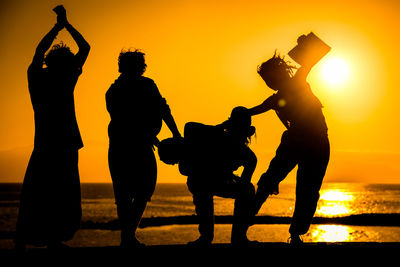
203	57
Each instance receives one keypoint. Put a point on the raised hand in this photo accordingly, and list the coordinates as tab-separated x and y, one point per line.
61	15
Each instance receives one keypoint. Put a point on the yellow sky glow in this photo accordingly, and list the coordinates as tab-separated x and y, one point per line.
203	56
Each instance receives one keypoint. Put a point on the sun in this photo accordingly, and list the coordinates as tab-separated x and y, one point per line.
335	72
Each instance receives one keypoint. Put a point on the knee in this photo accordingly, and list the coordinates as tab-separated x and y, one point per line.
308	196
250	190
267	184
246	191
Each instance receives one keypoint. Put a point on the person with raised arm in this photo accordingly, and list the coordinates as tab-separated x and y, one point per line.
50	207
305	142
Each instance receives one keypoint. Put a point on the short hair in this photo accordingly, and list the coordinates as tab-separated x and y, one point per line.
59	54
275	64
132	62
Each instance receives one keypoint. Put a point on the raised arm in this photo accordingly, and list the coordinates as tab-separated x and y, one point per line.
83	45
44	45
303	72
306	66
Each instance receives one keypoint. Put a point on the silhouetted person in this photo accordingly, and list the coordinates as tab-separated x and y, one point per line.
305	142
50	208
211	155
136	109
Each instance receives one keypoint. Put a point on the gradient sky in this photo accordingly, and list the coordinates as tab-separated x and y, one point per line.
203	56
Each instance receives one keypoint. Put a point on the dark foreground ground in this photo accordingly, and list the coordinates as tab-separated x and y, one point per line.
264	254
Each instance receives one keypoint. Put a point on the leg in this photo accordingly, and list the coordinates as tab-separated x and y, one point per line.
146	171
138	207
130	213
134	173
204	206
205	212
123	200
310	175
245	196
283	163
123	197
243	193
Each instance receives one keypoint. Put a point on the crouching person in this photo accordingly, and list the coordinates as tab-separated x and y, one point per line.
209	155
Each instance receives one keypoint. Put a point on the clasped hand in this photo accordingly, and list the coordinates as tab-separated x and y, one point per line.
61	16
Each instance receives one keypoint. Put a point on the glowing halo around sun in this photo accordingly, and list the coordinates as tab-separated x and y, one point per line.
335	72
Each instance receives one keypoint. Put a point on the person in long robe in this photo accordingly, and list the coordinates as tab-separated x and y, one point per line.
50	205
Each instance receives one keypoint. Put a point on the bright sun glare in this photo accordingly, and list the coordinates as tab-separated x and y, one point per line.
335	72
334	203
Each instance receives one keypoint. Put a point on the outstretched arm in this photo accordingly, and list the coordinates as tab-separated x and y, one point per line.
44	45
263	107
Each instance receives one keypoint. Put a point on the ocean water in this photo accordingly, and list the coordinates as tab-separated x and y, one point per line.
337	200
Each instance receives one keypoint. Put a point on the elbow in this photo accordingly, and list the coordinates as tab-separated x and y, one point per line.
87	48
40	52
84	48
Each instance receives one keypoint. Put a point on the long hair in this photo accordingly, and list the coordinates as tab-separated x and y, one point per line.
132	62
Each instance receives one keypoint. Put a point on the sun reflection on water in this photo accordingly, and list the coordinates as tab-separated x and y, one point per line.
334	202
336	195
331	233
333	209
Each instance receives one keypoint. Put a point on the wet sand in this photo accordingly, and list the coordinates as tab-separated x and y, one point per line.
168	244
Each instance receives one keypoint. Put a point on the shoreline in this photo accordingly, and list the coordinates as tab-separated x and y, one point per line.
353	220
170	243
389	220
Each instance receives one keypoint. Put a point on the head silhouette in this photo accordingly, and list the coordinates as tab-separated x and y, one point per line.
170	150
132	62
275	72
239	124
59	57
